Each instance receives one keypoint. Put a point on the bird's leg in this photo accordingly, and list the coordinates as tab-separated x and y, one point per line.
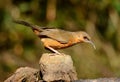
53	50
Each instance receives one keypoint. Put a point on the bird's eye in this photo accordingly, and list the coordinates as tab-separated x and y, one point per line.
86	38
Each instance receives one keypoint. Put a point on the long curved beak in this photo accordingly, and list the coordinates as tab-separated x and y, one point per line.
92	44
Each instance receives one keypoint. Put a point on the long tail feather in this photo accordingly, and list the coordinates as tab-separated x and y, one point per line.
33	27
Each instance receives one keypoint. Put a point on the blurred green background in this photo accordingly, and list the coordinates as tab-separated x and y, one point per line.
99	18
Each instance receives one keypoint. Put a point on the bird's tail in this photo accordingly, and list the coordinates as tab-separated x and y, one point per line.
25	23
36	29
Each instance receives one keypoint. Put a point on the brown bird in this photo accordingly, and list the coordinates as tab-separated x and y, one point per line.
56	38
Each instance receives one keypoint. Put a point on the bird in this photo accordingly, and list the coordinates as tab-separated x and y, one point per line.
53	38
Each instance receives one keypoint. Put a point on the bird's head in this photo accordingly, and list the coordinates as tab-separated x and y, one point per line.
84	37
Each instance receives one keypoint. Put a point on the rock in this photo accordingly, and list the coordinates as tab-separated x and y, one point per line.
56	67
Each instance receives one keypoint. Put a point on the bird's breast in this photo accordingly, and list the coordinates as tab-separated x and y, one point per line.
54	43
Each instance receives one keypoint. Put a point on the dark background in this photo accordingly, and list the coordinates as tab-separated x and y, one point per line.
99	18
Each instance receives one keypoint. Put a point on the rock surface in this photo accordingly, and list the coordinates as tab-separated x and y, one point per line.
56	67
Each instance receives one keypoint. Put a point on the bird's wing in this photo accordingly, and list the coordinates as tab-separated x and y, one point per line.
57	34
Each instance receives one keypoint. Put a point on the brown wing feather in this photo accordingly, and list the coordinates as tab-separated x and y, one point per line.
57	34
